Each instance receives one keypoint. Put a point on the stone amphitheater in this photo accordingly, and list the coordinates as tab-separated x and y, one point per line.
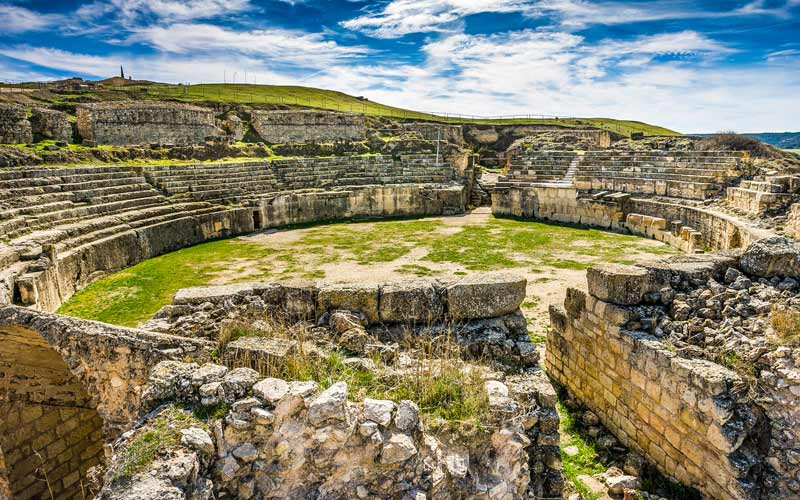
685	368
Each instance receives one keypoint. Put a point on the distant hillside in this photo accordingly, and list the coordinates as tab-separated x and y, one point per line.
783	140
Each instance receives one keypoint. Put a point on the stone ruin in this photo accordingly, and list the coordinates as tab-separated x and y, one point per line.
14	125
277	127
679	359
130	123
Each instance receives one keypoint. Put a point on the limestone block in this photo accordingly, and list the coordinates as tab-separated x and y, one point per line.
415	301
774	256
331	404
260	353
361	298
485	295
619	284
214	294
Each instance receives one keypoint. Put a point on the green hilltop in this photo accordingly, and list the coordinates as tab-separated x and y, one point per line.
309	97
338	101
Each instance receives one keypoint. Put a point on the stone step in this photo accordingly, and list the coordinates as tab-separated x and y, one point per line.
646	176
86	232
32	173
140	224
764	187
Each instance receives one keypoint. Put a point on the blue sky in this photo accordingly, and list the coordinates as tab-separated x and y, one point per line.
692	66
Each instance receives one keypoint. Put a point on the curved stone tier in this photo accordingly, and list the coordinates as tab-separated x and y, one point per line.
686	227
63	228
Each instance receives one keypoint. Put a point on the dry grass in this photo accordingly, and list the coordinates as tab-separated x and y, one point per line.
433	375
731	141
785	322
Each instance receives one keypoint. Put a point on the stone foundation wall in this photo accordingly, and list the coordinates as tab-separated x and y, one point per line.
685	227
14	125
688	416
49	449
50	124
277	127
133	123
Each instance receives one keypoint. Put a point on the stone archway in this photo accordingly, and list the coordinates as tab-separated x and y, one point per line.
50	431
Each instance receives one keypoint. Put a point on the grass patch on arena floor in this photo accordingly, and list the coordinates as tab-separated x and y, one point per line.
356	251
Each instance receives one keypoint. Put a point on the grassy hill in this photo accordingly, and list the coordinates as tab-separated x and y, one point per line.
338	101
284	95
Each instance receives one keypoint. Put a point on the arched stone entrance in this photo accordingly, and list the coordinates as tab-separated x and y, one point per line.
50	431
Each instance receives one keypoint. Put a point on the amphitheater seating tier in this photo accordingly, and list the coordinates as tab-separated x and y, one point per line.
679	174
539	166
239	182
71	207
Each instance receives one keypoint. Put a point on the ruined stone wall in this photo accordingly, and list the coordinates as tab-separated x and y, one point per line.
67	386
717	231
50	449
50	124
792	228
436	131
277	127
688	228
364	449
688	416
396	200
14	125
52	359
480	311
133	123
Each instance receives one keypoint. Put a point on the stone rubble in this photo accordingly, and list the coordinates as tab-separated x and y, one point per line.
288	439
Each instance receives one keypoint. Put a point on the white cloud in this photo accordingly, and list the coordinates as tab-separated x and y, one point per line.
15	19
283	46
671	79
163	68
401	17
131	13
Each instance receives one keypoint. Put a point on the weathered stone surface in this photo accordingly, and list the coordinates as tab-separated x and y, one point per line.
349	297
271	390
145	122
329	405
618	283
398	448
260	353
50	124
14	125
485	295
197	439
276	127
770	257
378	411
406	417
410	302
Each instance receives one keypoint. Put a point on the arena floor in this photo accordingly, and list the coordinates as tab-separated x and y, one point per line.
551	257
